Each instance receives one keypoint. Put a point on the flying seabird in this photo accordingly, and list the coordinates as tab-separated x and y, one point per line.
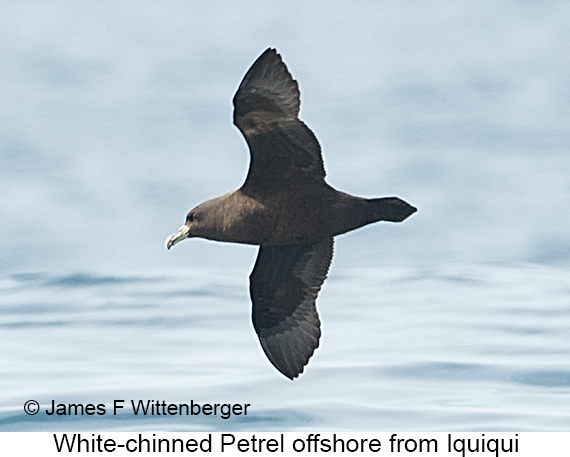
288	210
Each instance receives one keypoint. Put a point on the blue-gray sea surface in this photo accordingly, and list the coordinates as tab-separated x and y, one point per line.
115	120
456	348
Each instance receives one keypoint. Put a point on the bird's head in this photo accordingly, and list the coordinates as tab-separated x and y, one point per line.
200	222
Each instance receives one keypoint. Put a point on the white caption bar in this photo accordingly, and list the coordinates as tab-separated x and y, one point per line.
481	444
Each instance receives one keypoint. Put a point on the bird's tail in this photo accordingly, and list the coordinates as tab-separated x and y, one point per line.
392	209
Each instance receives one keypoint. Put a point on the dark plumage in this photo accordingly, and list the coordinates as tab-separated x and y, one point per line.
286	207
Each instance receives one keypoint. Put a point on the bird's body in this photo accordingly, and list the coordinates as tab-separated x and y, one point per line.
285	207
308	214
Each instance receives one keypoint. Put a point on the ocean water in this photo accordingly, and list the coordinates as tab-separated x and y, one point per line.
457	348
116	120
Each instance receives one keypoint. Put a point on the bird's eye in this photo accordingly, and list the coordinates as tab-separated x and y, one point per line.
190	218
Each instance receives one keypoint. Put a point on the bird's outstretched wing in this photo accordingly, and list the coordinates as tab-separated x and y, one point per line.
266	107
284	285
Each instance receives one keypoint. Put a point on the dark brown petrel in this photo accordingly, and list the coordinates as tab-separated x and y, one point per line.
288	210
